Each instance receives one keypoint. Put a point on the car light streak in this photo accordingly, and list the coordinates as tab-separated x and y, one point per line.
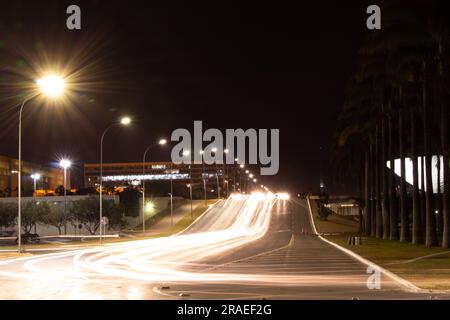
180	258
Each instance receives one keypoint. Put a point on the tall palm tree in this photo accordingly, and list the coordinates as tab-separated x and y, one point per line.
430	235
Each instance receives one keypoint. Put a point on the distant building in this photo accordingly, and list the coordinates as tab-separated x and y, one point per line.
119	174
50	178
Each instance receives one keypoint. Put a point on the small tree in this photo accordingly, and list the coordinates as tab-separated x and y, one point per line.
115	214
129	199
8	213
86	211
57	217
32	213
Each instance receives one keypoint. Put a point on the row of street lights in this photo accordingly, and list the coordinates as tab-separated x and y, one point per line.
52	86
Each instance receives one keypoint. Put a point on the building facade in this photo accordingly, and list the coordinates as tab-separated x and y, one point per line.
50	178
226	177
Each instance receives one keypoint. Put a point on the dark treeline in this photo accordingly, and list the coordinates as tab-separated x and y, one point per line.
396	107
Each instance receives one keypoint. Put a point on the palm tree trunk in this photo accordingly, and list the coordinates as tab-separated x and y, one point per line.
378	220
438	203
373	223
367	209
404	230
423	209
392	200
384	184
430	236
416	223
446	174
360	204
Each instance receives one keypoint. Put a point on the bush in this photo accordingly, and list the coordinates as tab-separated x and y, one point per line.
32	213
8	214
86	211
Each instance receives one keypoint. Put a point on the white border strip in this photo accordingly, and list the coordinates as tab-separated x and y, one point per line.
405	283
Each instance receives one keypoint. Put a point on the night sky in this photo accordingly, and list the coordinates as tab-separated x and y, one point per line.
262	65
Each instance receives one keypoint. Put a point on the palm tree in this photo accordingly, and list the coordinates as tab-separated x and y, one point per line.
430	235
416	227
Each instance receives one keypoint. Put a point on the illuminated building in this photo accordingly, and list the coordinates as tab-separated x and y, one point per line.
50	178
120	174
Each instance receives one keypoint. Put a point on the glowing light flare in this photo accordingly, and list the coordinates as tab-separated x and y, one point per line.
65	163
283	196
149	207
125	121
51	85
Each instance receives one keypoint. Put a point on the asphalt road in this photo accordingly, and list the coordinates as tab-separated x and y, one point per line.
257	247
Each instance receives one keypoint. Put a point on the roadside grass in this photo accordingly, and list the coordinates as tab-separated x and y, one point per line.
429	272
187	220
151	221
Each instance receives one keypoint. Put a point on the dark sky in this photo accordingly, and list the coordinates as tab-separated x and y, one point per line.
262	65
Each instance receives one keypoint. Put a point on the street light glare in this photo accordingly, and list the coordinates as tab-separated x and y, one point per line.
162	142
186	153
125	121
36	176
65	163
52	85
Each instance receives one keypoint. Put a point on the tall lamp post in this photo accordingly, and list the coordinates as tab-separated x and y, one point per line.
51	86
125	121
161	142
65	163
187	153
190	192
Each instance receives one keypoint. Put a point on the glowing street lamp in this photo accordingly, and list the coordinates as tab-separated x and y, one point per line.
51	86
161	142
124	121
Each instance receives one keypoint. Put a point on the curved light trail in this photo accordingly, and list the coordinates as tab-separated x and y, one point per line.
184	257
